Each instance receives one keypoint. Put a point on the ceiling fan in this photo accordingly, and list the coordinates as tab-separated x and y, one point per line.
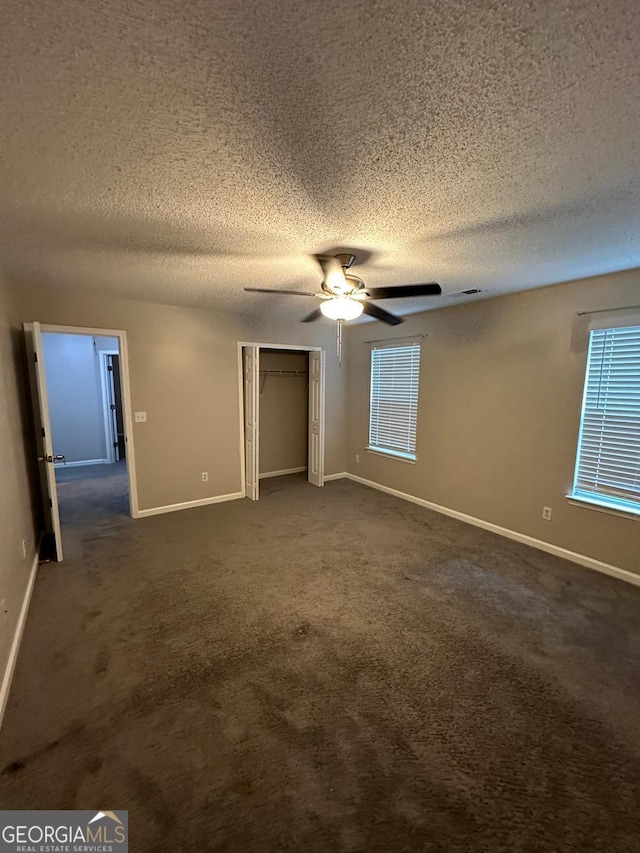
345	295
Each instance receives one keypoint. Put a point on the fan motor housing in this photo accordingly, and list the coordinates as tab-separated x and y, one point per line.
346	260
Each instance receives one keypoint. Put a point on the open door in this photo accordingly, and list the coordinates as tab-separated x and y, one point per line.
44	442
116	436
250	368
316	419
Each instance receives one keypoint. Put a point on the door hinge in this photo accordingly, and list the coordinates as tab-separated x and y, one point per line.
115	443
109	367
43	432
112	406
50	503
35	356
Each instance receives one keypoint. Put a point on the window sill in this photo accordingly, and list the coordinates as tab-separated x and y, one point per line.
604	506
390	454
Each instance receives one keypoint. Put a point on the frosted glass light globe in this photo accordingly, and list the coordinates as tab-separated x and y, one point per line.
341	308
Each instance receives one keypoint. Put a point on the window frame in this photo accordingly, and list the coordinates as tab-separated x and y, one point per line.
582	497
390	452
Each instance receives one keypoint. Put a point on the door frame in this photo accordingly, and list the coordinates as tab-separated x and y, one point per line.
106	412
251	433
127	408
261	345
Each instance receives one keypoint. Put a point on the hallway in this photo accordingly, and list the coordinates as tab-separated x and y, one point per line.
92	489
93	501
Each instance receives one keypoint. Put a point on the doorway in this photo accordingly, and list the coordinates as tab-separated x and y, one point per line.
282	413
80	395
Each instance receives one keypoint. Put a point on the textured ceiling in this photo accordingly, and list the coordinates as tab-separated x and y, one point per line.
177	150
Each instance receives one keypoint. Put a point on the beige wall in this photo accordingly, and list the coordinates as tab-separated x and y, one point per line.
501	385
16	514
284	422
500	395
184	374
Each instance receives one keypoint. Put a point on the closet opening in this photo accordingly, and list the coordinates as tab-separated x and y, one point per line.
283	380
282	415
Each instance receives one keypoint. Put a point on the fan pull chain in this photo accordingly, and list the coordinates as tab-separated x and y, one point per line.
339	341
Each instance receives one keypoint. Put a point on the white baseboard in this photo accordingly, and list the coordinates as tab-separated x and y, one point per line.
17	637
283	472
340	476
556	550
159	510
81	462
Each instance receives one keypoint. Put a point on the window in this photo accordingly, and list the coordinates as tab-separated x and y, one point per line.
393	407
608	459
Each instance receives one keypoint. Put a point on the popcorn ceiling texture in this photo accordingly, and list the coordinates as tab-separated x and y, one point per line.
178	151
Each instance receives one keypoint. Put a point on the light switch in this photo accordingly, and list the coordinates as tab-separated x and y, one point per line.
141	417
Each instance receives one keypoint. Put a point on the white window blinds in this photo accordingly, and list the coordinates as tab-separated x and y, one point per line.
393	407
608	461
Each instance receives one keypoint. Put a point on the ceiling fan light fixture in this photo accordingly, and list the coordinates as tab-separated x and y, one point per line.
341	308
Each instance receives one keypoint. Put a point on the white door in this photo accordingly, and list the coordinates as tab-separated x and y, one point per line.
250	367
316	419
113	448
44	442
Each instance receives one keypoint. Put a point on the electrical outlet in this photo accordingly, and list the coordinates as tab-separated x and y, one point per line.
205	476
357	458
24	549
546	513
141	417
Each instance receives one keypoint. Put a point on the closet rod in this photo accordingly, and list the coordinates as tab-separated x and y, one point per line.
274	372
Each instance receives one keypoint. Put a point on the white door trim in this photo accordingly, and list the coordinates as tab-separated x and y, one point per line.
279	346
262	345
315	425
127	408
251	382
243	469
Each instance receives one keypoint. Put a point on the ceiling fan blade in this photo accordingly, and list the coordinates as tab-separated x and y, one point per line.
315	315
381	314
403	290
286	292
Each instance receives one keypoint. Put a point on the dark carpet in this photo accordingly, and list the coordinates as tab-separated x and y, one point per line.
325	670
